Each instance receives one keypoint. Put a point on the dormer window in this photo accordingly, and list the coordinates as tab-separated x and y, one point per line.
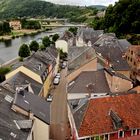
116	120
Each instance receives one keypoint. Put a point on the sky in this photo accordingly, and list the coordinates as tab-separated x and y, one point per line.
83	2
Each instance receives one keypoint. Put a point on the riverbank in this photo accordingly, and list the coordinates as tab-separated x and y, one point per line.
10	62
20	33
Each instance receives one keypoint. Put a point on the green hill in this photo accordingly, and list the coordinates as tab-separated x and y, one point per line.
39	8
99	7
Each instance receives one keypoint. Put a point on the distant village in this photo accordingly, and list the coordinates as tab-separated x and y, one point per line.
101	87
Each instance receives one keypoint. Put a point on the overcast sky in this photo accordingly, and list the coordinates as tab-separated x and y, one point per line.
84	2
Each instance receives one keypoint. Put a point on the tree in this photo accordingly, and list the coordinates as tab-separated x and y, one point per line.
46	41
30	24
73	30
24	51
4	28
123	17
3	71
34	46
55	37
63	55
42	47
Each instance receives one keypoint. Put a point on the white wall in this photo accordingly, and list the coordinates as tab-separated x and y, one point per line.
84	95
62	44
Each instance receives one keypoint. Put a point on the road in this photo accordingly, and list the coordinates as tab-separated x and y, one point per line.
59	120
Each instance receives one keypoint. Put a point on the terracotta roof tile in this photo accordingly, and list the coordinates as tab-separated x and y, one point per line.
97	120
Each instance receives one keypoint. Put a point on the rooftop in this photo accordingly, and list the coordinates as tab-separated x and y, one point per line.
124	44
97	117
74	52
89	34
35	64
114	73
37	105
67	35
40	60
78	107
8	127
79	84
108	47
79	56
20	79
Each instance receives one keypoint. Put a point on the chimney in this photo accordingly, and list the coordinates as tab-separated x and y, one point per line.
20	90
31	115
90	88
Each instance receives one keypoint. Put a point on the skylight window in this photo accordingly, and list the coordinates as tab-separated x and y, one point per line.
8	98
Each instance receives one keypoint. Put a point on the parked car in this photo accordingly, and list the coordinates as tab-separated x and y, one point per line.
49	98
56	81
58	75
63	65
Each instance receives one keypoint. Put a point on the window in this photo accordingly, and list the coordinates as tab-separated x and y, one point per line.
134	132
134	63
134	73
121	134
131	59
106	137
128	58
131	52
116	87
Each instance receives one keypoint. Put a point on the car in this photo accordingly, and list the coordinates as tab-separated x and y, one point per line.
56	81
63	65
58	75
49	98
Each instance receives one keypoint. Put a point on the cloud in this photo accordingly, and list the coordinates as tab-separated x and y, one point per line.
83	2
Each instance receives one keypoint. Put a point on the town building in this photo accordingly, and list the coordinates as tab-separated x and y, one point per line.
87	36
20	79
110	53
133	59
80	59
62	45
15	24
37	108
12	125
42	66
108	118
97	84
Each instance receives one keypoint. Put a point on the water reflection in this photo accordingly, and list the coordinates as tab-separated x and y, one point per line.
8	43
9	49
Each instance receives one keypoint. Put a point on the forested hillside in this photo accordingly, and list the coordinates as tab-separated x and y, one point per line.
38	8
123	18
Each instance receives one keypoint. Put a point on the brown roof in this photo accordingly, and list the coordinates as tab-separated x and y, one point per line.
97	78
97	119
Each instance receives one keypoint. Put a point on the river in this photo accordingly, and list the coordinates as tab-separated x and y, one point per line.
9	49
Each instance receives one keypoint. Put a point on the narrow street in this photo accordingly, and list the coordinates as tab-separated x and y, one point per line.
59	120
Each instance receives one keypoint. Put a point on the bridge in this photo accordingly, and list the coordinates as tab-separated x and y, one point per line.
48	19
54	22
65	25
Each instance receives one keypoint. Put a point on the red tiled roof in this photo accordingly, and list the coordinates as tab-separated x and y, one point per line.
131	138
98	121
